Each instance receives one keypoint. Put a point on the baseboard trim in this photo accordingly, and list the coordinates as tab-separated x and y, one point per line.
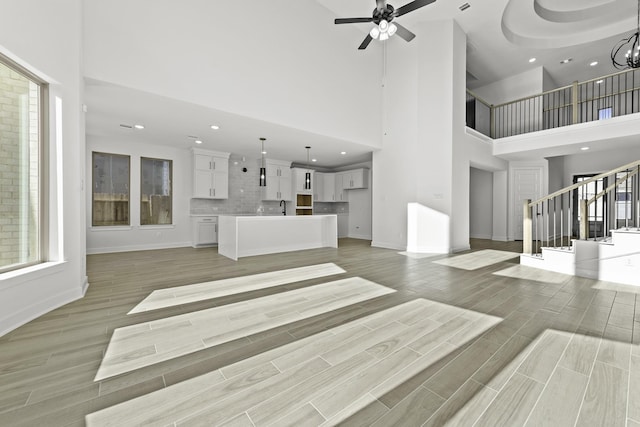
40	308
115	249
359	236
461	248
480	236
500	238
386	245
428	250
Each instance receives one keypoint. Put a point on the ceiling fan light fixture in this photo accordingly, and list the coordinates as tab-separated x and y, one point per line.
392	29
384	36
374	33
384	26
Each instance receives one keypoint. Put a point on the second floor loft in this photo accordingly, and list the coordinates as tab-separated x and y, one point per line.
601	98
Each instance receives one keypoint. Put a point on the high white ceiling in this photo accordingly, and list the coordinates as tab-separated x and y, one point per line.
502	35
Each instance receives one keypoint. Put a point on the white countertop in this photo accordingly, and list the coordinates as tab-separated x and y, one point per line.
275	216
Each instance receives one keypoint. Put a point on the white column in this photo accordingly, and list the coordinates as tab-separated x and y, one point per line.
423	120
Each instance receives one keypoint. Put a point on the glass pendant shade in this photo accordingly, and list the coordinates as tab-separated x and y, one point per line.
307	181
263	177
263	169
307	176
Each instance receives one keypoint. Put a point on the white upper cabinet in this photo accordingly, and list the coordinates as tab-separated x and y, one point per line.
355	179
340	193
210	174
324	189
278	180
318	187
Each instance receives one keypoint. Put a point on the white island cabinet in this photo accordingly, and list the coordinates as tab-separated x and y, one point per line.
241	236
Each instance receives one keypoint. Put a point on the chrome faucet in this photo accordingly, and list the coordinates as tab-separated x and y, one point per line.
284	210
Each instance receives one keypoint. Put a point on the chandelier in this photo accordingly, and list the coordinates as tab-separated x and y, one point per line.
630	47
383	30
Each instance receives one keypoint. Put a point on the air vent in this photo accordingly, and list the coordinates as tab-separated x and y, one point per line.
126	126
192	137
464	7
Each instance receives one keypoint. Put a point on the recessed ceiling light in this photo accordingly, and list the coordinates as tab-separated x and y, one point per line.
600	82
343	152
584	148
138	126
594	63
314	160
264	152
566	61
198	141
215	127
532	59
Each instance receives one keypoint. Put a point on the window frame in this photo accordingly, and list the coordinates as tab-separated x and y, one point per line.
43	164
142	158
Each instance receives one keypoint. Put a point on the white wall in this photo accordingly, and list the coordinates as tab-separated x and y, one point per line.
556	173
137	237
500	205
414	165
528	83
426	152
597	162
261	59
481	204
45	37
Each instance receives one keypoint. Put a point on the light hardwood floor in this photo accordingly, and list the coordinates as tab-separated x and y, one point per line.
457	343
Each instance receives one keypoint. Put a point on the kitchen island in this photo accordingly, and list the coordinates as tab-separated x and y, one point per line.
241	236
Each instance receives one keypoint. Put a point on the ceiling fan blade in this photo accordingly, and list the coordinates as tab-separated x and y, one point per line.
410	7
404	33
352	20
365	42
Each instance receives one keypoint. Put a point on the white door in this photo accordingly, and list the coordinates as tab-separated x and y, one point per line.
527	184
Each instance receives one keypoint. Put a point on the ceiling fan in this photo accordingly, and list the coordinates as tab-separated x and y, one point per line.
383	15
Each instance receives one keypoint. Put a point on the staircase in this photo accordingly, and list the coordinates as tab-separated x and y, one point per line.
589	229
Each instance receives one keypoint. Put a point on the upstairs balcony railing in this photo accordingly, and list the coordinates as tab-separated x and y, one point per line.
597	99
586	210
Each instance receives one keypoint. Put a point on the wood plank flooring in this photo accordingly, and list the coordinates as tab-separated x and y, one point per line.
496	345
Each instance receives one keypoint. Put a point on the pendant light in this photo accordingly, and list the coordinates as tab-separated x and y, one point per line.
307	176
263	170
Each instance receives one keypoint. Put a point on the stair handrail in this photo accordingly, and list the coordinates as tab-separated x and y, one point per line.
632	169
585	182
611	187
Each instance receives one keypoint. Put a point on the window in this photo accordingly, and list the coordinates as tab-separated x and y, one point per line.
110	205
22	97
155	191
605	113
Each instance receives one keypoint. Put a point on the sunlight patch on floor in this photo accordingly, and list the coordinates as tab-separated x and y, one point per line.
144	344
179	295
531	273
477	259
327	376
617	287
416	255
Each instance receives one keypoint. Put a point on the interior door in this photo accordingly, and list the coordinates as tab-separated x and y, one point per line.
527	184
